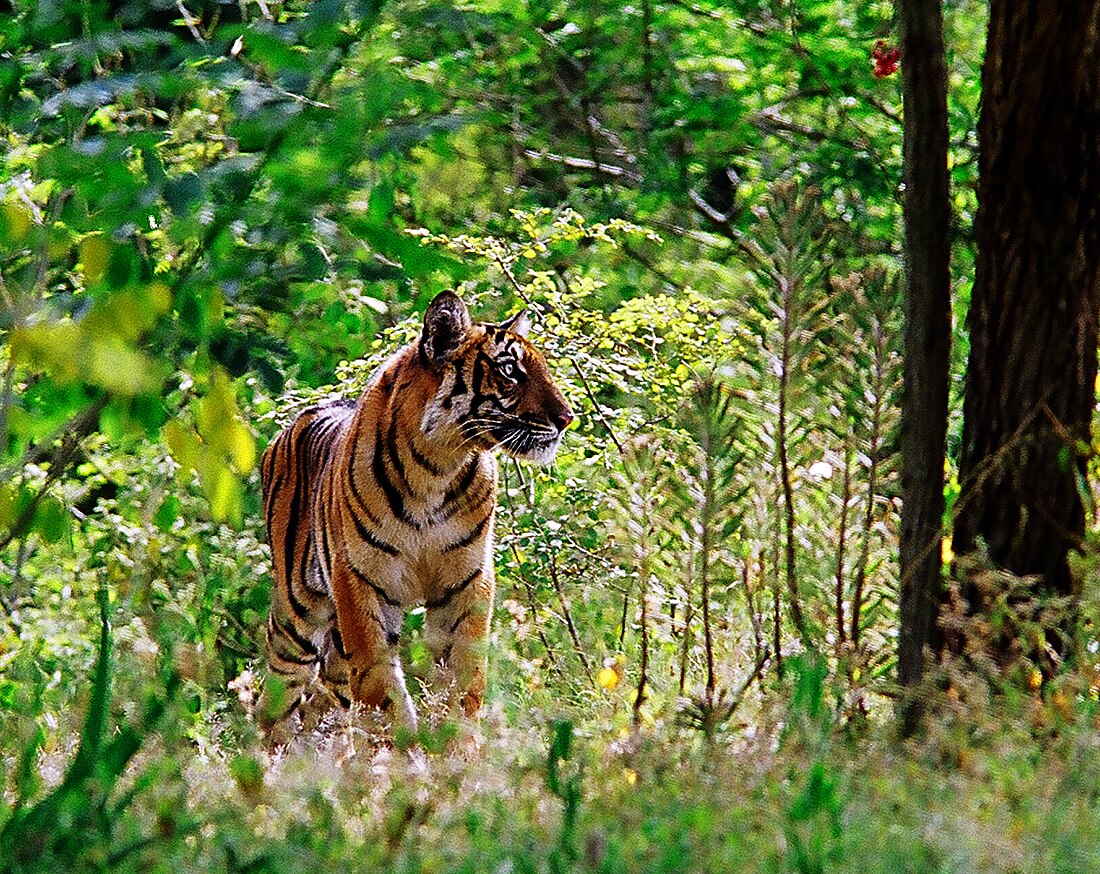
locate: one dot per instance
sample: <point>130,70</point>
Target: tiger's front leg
<point>456,631</point>
<point>369,626</point>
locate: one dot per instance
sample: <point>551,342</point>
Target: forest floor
<point>1004,783</point>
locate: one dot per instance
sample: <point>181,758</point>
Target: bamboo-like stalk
<point>707,512</point>
<point>685,647</point>
<point>784,466</point>
<point>875,448</point>
<point>754,613</point>
<point>643,674</point>
<point>842,541</point>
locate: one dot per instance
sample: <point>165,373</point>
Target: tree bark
<point>927,336</point>
<point>1031,377</point>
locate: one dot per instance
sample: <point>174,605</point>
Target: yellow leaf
<point>95,255</point>
<point>607,678</point>
<point>182,443</point>
<point>630,775</point>
<point>223,491</point>
<point>947,554</point>
<point>120,368</point>
<point>242,448</point>
<point>15,221</point>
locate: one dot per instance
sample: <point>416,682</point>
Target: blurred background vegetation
<point>213,213</point>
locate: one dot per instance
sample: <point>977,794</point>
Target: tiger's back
<point>377,506</point>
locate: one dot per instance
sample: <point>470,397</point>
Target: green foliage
<point>76,823</point>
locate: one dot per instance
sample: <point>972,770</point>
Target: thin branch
<point>596,405</point>
<point>739,695</point>
<point>502,263</point>
<point>191,21</point>
<point>59,463</point>
<point>641,697</point>
<point>553,565</point>
<point>81,425</point>
<point>586,164</point>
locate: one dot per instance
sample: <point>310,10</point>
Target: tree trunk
<point>1030,388</point>
<point>927,335</point>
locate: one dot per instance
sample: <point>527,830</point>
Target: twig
<point>81,425</point>
<point>872,485</point>
<point>739,696</point>
<point>754,613</point>
<point>586,164</point>
<point>190,20</point>
<point>568,616</point>
<point>507,271</point>
<point>689,614</point>
<point>704,575</point>
<point>785,469</point>
<point>58,465</point>
<point>595,405</point>
<point>776,615</point>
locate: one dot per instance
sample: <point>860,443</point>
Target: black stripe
<point>344,700</point>
<point>393,496</point>
<point>460,382</point>
<point>272,650</point>
<point>338,642</point>
<point>395,455</point>
<point>469,503</point>
<point>289,632</point>
<point>353,485</point>
<point>461,618</point>
<point>480,364</point>
<point>299,609</point>
<point>378,590</point>
<point>301,661</point>
<point>323,546</point>
<point>445,599</point>
<point>469,538</point>
<point>463,481</point>
<point>367,536</point>
<point>422,460</point>
<point>298,453</point>
<point>270,483</point>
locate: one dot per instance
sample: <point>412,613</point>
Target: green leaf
<point>167,514</point>
<point>51,519</point>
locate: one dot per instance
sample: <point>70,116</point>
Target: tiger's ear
<point>446,324</point>
<point>519,324</point>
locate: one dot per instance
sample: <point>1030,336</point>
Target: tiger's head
<point>495,389</point>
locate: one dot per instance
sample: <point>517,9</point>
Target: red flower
<point>885,59</point>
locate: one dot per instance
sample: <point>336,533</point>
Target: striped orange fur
<point>385,504</point>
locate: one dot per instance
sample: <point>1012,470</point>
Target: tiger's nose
<point>562,418</point>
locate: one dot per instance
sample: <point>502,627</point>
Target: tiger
<point>380,505</point>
